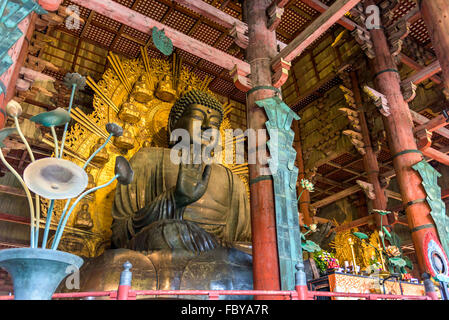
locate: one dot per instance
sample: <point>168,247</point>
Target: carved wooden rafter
<point>423,139</point>
<point>368,188</point>
<point>380,100</point>
<point>274,13</point>
<point>363,38</point>
<point>280,75</point>
<point>241,82</point>
<point>239,34</point>
<point>408,90</point>
<point>352,114</point>
<point>397,32</point>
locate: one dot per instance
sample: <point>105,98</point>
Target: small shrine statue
<point>126,141</point>
<point>83,219</point>
<point>181,226</point>
<point>142,91</point>
<point>165,91</point>
<point>129,112</point>
<point>101,157</point>
<point>91,180</point>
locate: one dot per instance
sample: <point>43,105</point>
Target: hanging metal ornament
<point>162,42</point>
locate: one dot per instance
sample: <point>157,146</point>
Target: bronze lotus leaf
<point>114,129</point>
<point>71,79</point>
<point>123,170</point>
<point>4,133</point>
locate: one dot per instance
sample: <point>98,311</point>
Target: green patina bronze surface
<point>430,182</point>
<point>285,174</point>
<point>162,42</point>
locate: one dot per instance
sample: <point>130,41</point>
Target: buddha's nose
<point>205,125</point>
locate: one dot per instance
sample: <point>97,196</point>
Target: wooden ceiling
<point>109,35</point>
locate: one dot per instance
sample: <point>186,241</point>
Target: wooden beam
<point>218,16</point>
<point>433,125</point>
<point>420,119</point>
<point>321,7</point>
<point>350,191</point>
<point>355,224</point>
<point>317,28</point>
<point>336,197</point>
<point>212,13</point>
<point>393,195</point>
<point>424,73</point>
<point>142,23</point>
<point>416,66</point>
<point>14,219</point>
<point>12,191</point>
<point>436,155</point>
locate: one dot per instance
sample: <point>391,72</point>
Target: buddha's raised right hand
<point>192,182</point>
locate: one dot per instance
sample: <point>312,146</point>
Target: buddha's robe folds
<point>222,211</point>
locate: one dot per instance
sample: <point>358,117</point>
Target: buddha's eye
<point>197,117</point>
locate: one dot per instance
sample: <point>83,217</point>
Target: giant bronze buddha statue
<point>180,225</point>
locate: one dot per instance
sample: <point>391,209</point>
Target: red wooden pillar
<point>402,144</point>
<point>18,53</point>
<point>369,159</point>
<point>304,202</point>
<point>436,16</point>
<point>261,49</point>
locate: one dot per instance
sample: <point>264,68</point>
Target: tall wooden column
<point>402,144</point>
<point>369,159</point>
<point>436,16</point>
<point>261,49</point>
<point>304,202</point>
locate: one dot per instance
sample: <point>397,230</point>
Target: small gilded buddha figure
<point>129,112</point>
<point>181,226</point>
<point>83,219</point>
<point>91,180</point>
<point>142,91</point>
<point>165,90</point>
<point>101,157</point>
<point>126,141</point>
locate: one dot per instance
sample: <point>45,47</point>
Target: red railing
<point>124,292</point>
<point>128,294</point>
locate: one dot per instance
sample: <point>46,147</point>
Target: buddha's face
<point>200,117</point>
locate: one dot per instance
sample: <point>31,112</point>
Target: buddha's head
<point>196,108</point>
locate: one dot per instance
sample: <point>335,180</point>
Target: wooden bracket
<point>424,139</point>
<point>274,16</point>
<point>380,100</point>
<point>280,75</point>
<point>357,140</point>
<point>408,91</point>
<point>239,35</point>
<point>240,81</point>
<point>368,188</point>
<point>363,38</point>
<point>396,34</point>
